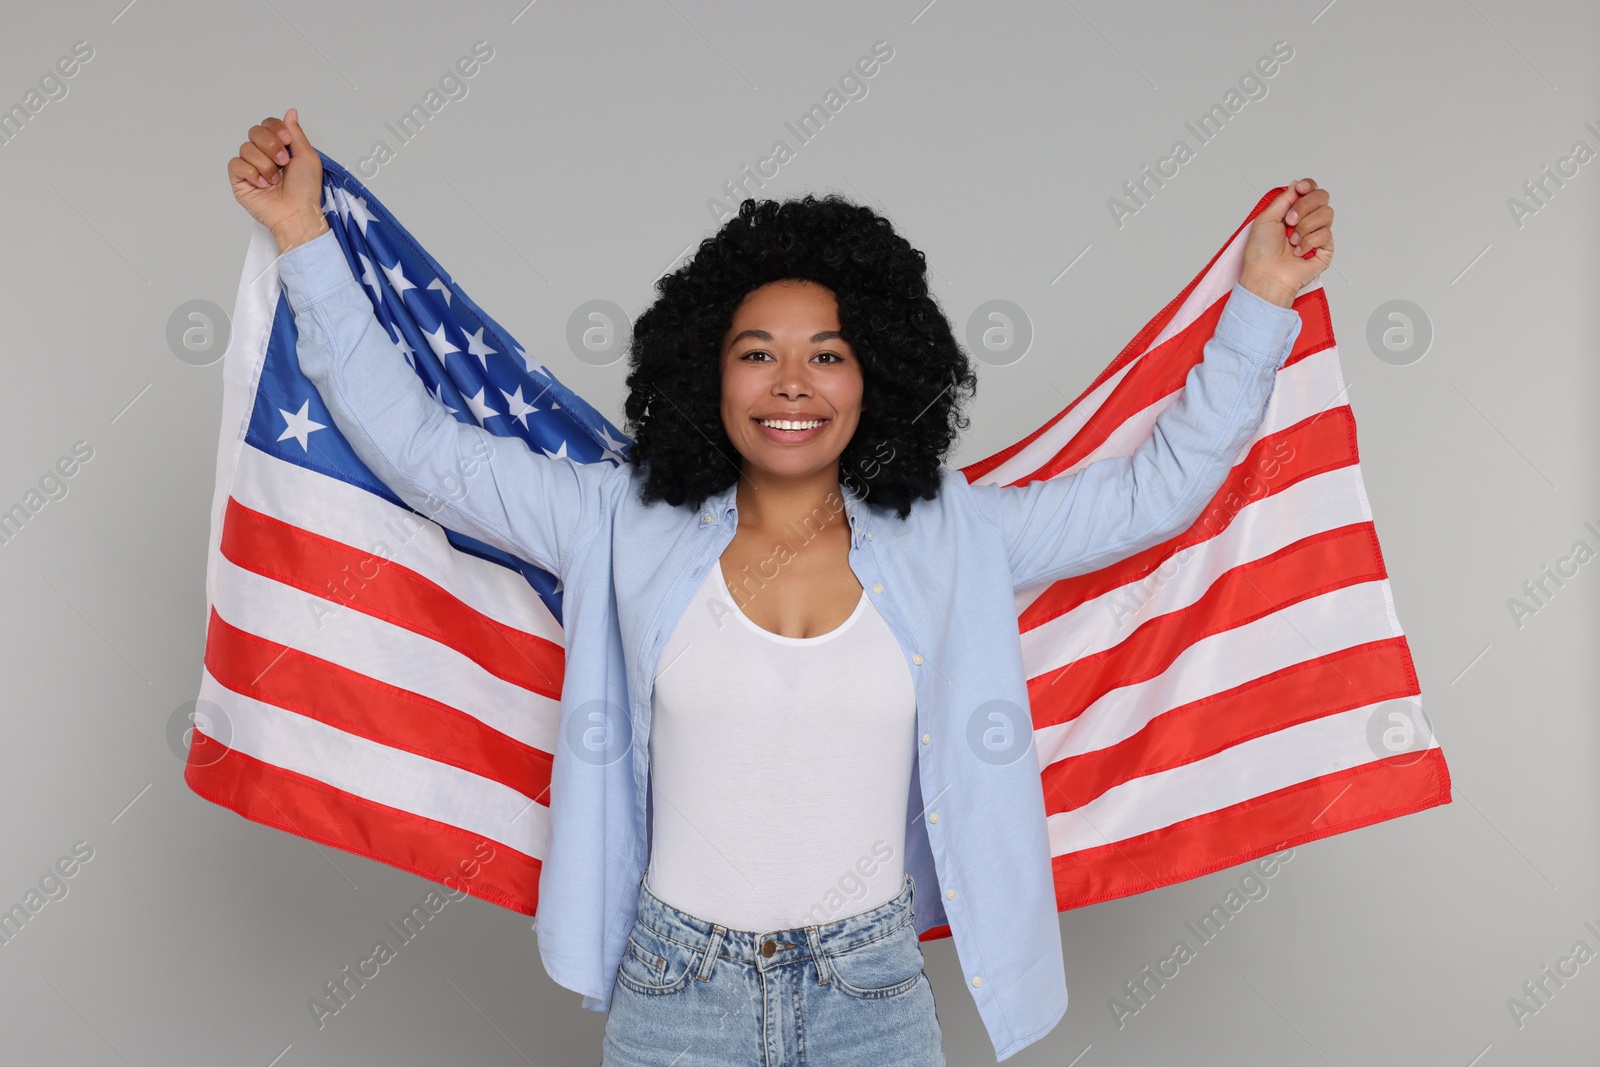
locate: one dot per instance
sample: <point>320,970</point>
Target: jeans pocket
<point>655,965</point>
<point>889,966</point>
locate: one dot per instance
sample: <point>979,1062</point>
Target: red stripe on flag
<point>328,569</point>
<point>350,701</point>
<point>1361,675</point>
<point>300,805</point>
<point>1307,568</point>
<point>1332,804</point>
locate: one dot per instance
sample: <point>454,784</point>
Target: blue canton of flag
<point>470,364</point>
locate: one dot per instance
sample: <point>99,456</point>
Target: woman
<point>815,615</point>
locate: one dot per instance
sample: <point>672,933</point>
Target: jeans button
<point>768,947</point>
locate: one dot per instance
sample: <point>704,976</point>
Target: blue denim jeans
<point>692,993</point>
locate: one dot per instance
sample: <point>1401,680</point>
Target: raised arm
<point>1119,505</point>
<point>492,488</point>
<point>489,487</point>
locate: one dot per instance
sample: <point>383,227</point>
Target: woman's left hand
<point>1290,243</point>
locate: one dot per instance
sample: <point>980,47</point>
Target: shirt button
<point>707,517</point>
<point>869,535</point>
<point>934,817</point>
<point>977,979</point>
<point>926,738</point>
<point>950,894</point>
<point>917,659</point>
<point>877,587</point>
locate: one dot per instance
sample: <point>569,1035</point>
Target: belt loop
<point>824,968</point>
<point>715,943</point>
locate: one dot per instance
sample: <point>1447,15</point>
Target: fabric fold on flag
<point>379,683</point>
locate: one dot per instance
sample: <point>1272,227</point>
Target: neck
<point>774,502</point>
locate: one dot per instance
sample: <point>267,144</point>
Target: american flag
<point>377,683</point>
<point>1245,686</point>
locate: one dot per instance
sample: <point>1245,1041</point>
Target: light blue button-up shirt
<point>943,579</point>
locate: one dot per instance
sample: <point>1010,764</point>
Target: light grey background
<point>578,167</point>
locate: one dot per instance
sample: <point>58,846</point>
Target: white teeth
<point>784,424</point>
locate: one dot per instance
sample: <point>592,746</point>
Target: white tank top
<point>780,767</point>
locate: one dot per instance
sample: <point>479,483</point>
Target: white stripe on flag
<point>1303,631</point>
<point>1237,774</point>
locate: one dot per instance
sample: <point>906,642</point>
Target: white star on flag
<point>613,446</point>
<point>533,365</point>
<point>299,426</point>
<point>520,409</point>
<point>357,208</point>
<point>440,343</point>
<point>443,288</point>
<point>476,347</point>
<point>480,408</point>
<point>560,453</point>
<point>397,277</point>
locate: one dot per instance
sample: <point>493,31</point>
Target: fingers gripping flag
<point>376,682</point>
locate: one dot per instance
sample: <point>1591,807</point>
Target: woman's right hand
<point>277,177</point>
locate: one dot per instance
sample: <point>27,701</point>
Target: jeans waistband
<point>765,948</point>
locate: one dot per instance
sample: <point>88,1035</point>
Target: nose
<point>793,381</point>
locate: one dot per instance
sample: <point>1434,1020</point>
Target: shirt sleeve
<point>1119,505</point>
<point>493,488</point>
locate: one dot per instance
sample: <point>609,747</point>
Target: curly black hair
<point>915,375</point>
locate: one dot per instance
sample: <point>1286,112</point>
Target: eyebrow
<point>763,335</point>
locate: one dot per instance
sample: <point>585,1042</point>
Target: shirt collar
<point>720,506</point>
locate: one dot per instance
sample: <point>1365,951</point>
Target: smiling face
<point>783,361</point>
